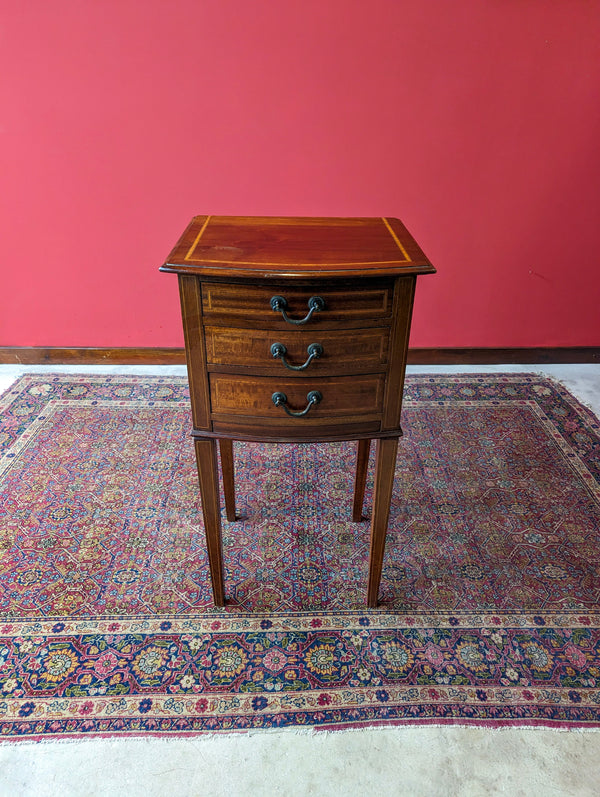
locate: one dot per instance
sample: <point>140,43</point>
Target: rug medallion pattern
<point>490,596</point>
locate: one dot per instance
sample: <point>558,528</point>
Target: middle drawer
<point>339,351</point>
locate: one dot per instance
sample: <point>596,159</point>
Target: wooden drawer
<point>251,396</point>
<point>363,351</point>
<point>250,305</point>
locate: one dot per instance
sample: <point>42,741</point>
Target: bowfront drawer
<point>274,398</point>
<point>301,352</point>
<point>282,307</point>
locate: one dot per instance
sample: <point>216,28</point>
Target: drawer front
<point>344,397</point>
<point>243,305</point>
<point>341,352</point>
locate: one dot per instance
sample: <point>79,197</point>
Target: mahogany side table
<point>296,330</point>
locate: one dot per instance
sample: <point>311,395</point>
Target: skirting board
<point>39,355</point>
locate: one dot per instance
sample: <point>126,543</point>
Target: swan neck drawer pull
<point>279,305</point>
<point>280,400</point>
<point>314,351</point>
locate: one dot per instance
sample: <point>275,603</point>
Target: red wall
<point>475,121</point>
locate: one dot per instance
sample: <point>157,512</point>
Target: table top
<point>296,248</point>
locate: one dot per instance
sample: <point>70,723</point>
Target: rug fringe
<point>310,732</point>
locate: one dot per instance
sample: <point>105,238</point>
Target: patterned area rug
<point>490,592</point>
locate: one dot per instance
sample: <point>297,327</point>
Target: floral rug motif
<point>490,595</point>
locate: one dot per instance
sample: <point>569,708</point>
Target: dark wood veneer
<point>343,305</point>
<point>235,348</point>
<point>345,285</point>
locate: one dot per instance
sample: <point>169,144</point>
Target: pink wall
<point>477,123</point>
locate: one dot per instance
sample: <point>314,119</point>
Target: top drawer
<point>251,305</point>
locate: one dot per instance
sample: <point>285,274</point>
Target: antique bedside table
<point>296,330</point>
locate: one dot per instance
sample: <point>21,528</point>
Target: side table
<point>296,330</point>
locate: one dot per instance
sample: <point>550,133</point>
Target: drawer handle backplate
<point>280,400</point>
<point>279,305</point>
<point>314,351</point>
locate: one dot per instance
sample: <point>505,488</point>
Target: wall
<point>475,121</point>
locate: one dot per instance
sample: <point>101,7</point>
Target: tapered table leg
<point>227,468</point>
<point>385,466</point>
<point>206,459</point>
<point>362,462</point>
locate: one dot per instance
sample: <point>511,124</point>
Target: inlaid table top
<point>297,247</point>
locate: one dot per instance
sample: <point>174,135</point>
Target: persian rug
<point>490,592</point>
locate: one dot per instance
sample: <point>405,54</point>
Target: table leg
<point>385,466</point>
<point>362,462</point>
<point>206,459</point>
<point>227,468</point>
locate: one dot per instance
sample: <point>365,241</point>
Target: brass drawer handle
<point>280,400</point>
<point>314,351</point>
<point>280,305</point>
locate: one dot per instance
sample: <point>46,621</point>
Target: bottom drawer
<point>343,398</point>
